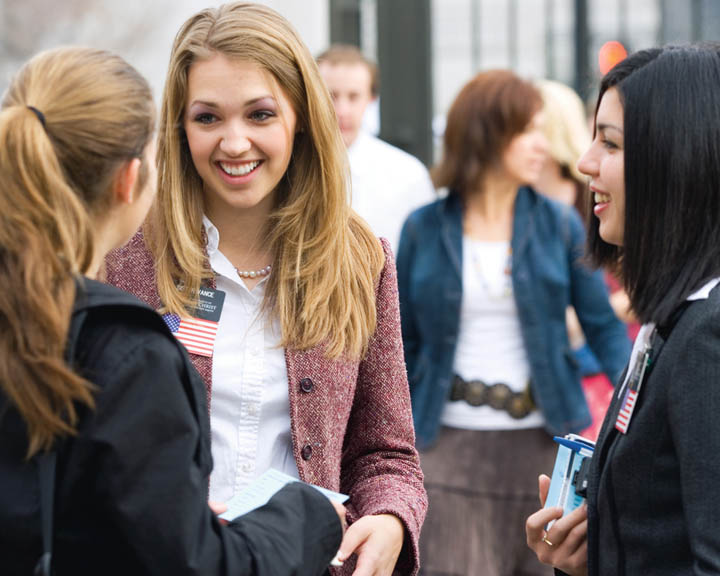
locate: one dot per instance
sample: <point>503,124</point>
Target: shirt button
<point>306,452</point>
<point>247,468</point>
<point>252,410</point>
<point>306,385</point>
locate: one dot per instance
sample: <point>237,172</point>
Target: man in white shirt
<point>387,183</point>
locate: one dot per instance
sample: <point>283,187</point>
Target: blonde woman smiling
<point>306,373</point>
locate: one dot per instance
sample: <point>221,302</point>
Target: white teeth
<point>601,198</point>
<point>239,169</point>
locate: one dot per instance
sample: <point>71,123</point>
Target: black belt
<point>498,396</point>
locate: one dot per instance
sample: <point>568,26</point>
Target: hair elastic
<point>39,115</point>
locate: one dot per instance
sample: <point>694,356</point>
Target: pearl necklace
<point>254,273</point>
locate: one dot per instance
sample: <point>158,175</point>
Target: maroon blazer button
<point>306,385</point>
<point>306,452</point>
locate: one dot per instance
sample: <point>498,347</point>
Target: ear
<point>125,180</point>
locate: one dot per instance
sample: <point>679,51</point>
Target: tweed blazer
<point>351,421</point>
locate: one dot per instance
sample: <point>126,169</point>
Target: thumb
<point>543,488</point>
<point>354,537</point>
<point>217,507</point>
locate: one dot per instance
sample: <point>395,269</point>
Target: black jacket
<point>132,486</point>
<point>653,506</point>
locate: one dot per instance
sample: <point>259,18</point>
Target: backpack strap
<point>46,464</point>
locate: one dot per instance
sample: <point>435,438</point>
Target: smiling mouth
<point>239,169</point>
<point>601,198</point>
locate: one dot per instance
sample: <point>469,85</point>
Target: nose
<point>341,107</point>
<point>235,140</point>
<point>587,163</point>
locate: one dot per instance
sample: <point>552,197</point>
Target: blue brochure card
<point>572,452</point>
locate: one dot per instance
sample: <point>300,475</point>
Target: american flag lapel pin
<point>197,335</point>
<point>198,332</point>
<point>622,422</point>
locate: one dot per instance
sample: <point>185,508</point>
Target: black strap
<point>46,471</point>
<point>46,463</point>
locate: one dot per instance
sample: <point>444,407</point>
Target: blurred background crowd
<point>426,49</point>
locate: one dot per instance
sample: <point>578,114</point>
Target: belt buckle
<point>475,393</point>
<point>499,396</point>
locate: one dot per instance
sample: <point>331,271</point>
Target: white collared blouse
<point>250,410</point>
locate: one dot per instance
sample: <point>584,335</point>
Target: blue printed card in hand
<point>569,479</point>
<point>262,489</point>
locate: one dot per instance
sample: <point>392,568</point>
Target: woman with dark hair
<point>485,276</point>
<point>651,507</point>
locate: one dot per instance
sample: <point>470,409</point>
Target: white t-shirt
<point>387,184</point>
<point>490,345</point>
<point>250,405</point>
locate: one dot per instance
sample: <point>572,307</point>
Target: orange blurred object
<point>610,54</point>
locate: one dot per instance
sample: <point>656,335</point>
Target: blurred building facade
<point>427,49</point>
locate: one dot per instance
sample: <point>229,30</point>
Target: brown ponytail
<point>56,167</point>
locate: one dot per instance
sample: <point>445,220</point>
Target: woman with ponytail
<point>93,377</point>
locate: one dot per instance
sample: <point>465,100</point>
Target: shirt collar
<point>212,234</point>
<point>704,292</point>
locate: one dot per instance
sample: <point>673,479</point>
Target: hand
<point>342,513</point>
<point>565,545</point>
<point>217,509</point>
<point>377,541</point>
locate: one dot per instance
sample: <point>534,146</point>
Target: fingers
<point>368,564</point>
<point>217,507</point>
<point>535,524</point>
<point>543,488</point>
<point>564,546</point>
<point>570,532</point>
<point>342,514</point>
<point>355,536</point>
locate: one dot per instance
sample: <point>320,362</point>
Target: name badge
<point>198,332</point>
<point>632,390</point>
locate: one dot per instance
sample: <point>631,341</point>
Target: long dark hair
<point>671,121</point>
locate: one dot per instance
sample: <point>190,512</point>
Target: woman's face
<point>525,156</point>
<point>604,162</point>
<point>240,128</point>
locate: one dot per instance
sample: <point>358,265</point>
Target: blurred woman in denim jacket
<point>485,276</point>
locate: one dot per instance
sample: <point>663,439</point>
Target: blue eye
<point>260,115</point>
<point>204,118</point>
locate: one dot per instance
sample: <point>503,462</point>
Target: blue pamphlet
<point>262,489</point>
<point>570,473</point>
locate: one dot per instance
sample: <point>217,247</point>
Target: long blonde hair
<point>326,259</point>
<point>92,111</point>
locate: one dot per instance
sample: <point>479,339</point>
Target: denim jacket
<point>547,276</point>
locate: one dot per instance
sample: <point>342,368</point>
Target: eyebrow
<point>250,102</point>
<point>602,127</point>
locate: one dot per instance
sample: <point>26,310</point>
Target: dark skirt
<point>482,485</point>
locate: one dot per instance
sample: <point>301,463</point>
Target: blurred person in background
<point>387,183</point>
<point>568,136</point>
<point>116,427</point>
<point>485,277</point>
<point>306,372</point>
